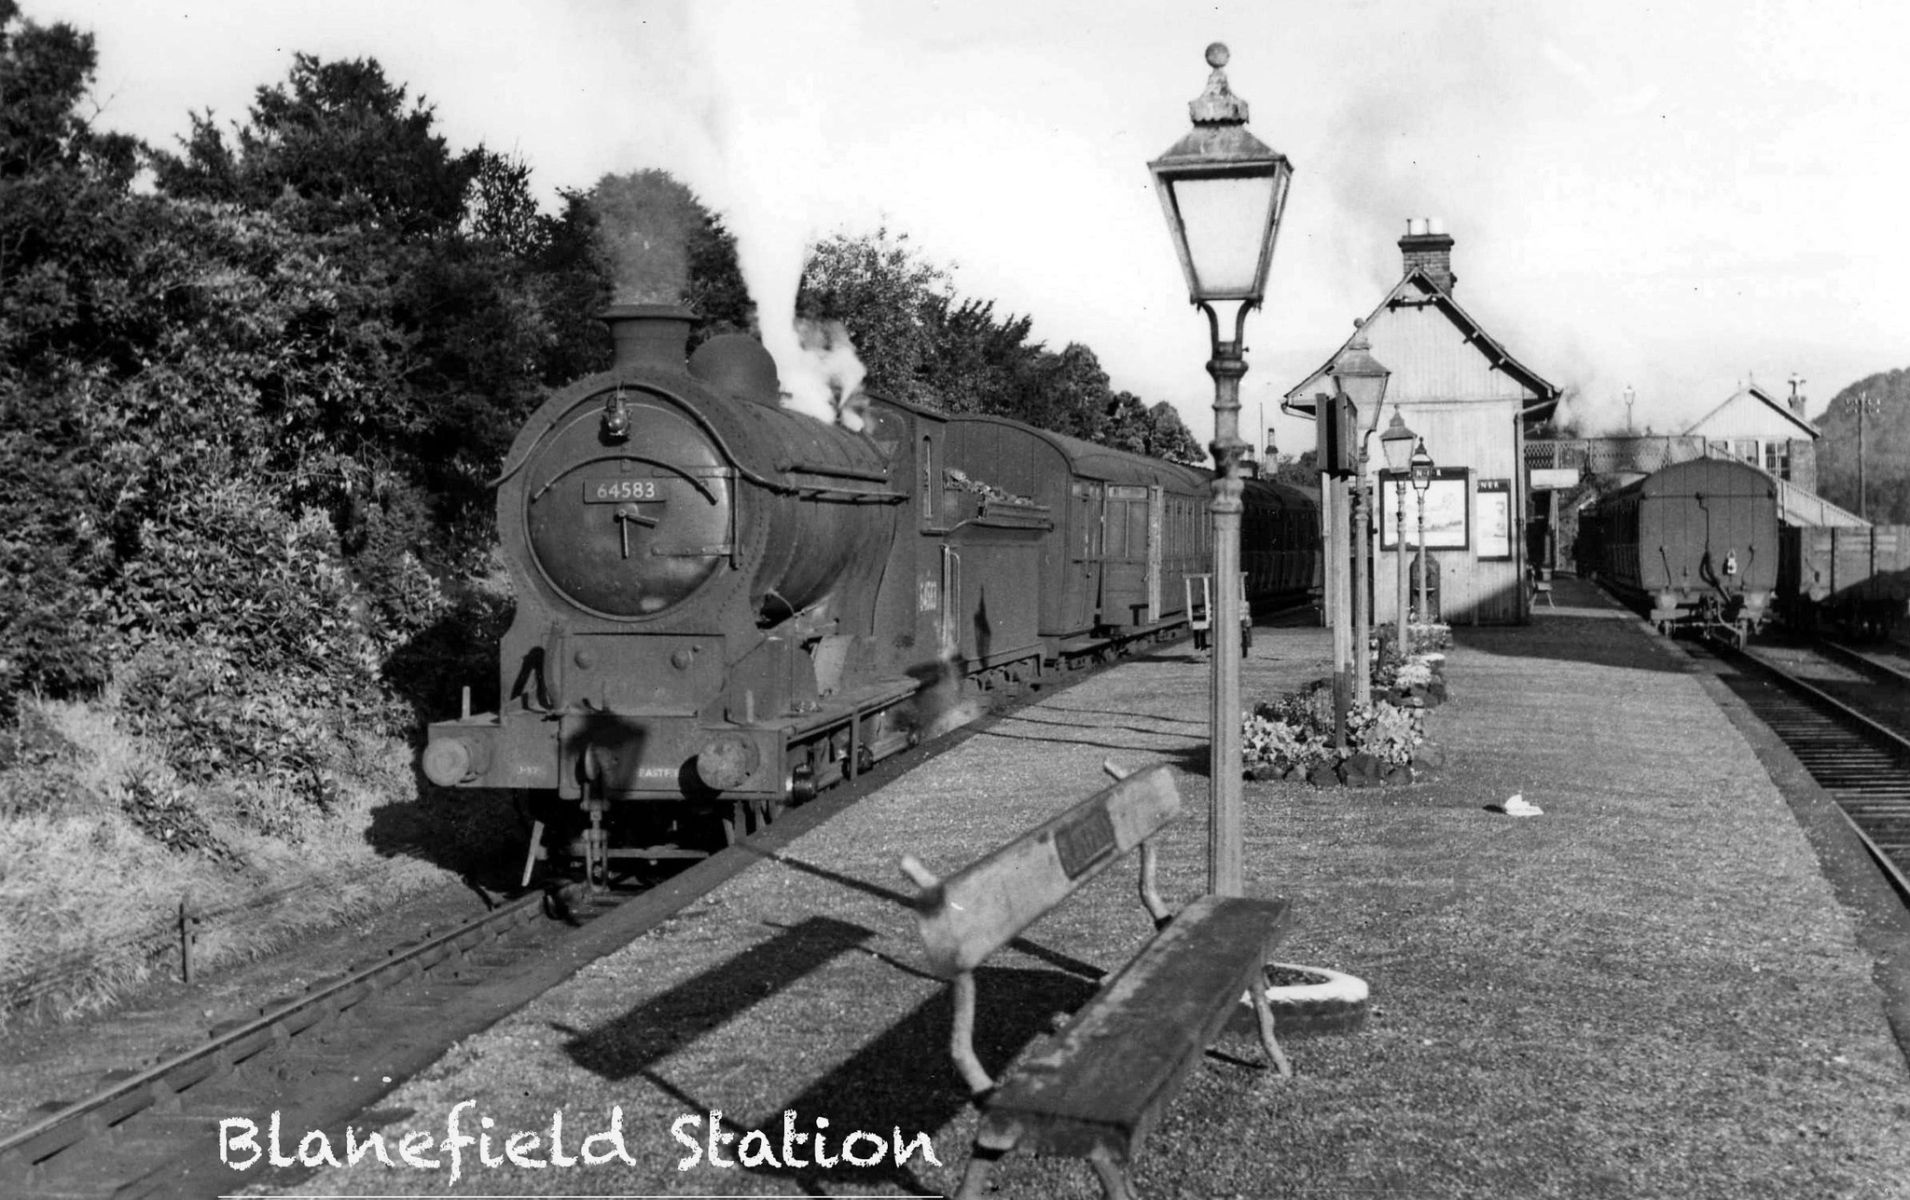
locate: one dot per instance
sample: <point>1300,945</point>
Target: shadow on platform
<point>1597,640</point>
<point>900,1079</point>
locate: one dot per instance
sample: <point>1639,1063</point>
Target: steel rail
<point>1852,657</point>
<point>159,1084</point>
<point>162,1087</point>
<point>1858,724</point>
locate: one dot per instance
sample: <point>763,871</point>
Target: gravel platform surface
<point>1649,990</point>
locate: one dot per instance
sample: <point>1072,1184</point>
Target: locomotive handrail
<point>818,493</point>
<point>833,472</point>
<point>513,467</point>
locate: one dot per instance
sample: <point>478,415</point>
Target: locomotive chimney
<point>1428,247</point>
<point>649,335</point>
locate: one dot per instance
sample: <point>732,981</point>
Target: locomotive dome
<point>738,366</point>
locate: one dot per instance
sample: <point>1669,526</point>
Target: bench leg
<point>1263,1013</point>
<point>981,1160</point>
<point>531,855</point>
<point>961,1037</point>
<point>1113,1176</point>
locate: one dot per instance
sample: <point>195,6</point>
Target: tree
<point>660,245</point>
<point>336,145</point>
<point>1066,392</point>
<point>1301,470</point>
<point>1169,438</point>
<point>882,291</point>
<point>61,186</point>
<point>975,362</point>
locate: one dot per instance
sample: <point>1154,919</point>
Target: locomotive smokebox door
<point>632,530</point>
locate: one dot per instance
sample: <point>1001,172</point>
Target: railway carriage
<point>1280,547</point>
<point>1697,540</point>
<point>1713,544</point>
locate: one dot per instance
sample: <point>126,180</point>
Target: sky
<point>1676,197</point>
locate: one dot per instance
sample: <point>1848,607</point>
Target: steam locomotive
<point>724,606</point>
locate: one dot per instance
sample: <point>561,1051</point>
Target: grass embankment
<point>1649,990</point>
<point>100,841</point>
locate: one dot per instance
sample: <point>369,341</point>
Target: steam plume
<point>775,175</point>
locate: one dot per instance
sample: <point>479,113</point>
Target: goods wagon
<point>1856,579</point>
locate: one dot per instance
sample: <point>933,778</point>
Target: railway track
<point>1886,662</point>
<point>1849,729</point>
<point>329,1054</point>
<point>326,1055</point>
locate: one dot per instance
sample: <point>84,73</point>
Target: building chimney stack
<point>1427,247</point>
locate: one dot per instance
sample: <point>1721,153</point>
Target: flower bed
<point>1291,738</point>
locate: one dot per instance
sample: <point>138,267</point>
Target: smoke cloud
<point>773,183</point>
<point>645,220</point>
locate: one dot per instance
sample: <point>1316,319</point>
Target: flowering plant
<point>1414,672</point>
<point>1296,730</point>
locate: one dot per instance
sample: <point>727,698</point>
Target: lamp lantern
<point>1397,446</point>
<point>1360,377</point>
<point>1223,191</point>
<point>1421,466</point>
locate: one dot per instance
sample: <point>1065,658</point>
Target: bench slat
<point>1102,1082</point>
<point>980,908</point>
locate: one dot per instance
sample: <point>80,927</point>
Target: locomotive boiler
<point>724,606</point>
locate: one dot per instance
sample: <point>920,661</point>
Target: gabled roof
<point>1299,401</point>
<point>1759,394</point>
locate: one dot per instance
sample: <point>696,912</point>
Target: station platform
<point>1651,989</point>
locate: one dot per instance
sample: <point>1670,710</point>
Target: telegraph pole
<point>1863,405</point>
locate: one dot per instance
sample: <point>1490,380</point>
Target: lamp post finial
<point>1218,105</point>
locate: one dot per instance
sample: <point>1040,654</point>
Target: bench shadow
<point>627,1046</point>
<point>904,1080</point>
<point>901,1079</point>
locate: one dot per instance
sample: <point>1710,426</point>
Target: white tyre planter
<point>1308,1000</point>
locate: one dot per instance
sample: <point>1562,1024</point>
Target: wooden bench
<point>1098,1086</point>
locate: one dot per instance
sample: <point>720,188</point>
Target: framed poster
<point>1448,514</point>
<point>1495,518</point>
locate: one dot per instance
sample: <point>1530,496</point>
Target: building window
<point>1777,459</point>
<point>1746,450</point>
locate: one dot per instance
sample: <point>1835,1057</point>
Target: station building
<point>1758,429</point>
<point>1474,404</point>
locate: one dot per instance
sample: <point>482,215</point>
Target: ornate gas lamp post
<point>1397,445</point>
<point>1358,376</point>
<point>1422,472</point>
<point>1223,191</point>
